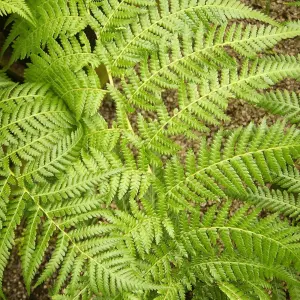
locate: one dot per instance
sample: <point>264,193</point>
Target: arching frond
<point>275,201</point>
<point>284,103</point>
<point>13,218</point>
<point>135,43</point>
<point>15,6</point>
<point>32,120</point>
<point>248,154</point>
<point>288,179</point>
<point>74,52</point>
<point>109,266</point>
<point>206,104</point>
<point>52,19</point>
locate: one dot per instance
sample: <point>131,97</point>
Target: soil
<point>241,114</point>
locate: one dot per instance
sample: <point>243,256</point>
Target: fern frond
<point>161,71</point>
<point>74,52</point>
<point>15,6</point>
<point>289,179</point>
<point>115,15</point>
<point>224,267</point>
<point>227,249</point>
<point>284,103</point>
<point>5,191</point>
<point>246,40</point>
<point>32,121</point>
<point>208,292</point>
<point>232,291</point>
<point>84,176</point>
<point>108,208</point>
<point>14,213</point>
<point>108,266</point>
<point>275,201</point>
<point>207,104</point>
<point>55,160</point>
<point>248,154</point>
<point>52,19</point>
<point>81,90</point>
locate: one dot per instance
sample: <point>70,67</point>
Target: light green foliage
<point>15,7</point>
<point>119,209</point>
<point>283,103</point>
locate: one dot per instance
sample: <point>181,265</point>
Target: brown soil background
<point>240,112</point>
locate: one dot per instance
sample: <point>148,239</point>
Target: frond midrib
<point>161,20</point>
<point>231,158</point>
<point>73,242</point>
<point>221,45</point>
<point>224,87</point>
<point>33,116</point>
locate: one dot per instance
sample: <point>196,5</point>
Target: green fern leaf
<point>249,154</point>
<point>284,103</point>
<point>65,18</point>
<point>13,217</point>
<point>275,201</point>
<point>288,179</point>
<point>15,6</point>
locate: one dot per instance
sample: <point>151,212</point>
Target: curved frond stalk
<point>191,61</point>
<point>284,103</point>
<point>207,104</point>
<point>246,40</point>
<point>248,154</point>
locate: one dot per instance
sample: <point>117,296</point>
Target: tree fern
<point>128,217</point>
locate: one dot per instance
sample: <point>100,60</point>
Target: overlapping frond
<point>15,6</point>
<point>74,52</point>
<point>115,15</point>
<point>52,19</point>
<point>276,201</point>
<point>219,249</point>
<point>109,201</point>
<point>69,70</point>
<point>248,155</point>
<point>284,103</point>
<point>288,179</point>
<point>33,120</point>
<point>206,104</point>
<point>193,63</point>
<point>246,40</point>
